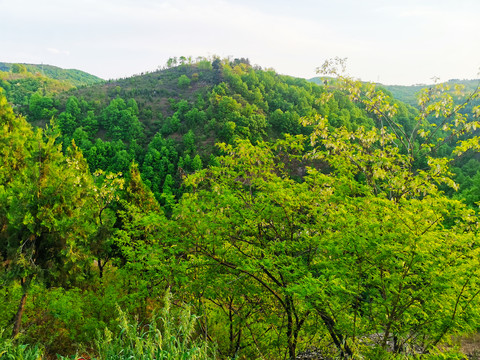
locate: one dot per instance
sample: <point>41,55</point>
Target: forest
<point>217,210</point>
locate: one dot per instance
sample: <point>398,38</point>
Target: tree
<point>405,255</point>
<point>44,207</point>
<point>184,81</point>
<point>18,69</point>
<point>245,217</point>
<point>189,142</point>
<point>148,258</point>
<point>121,121</point>
<point>196,163</point>
<point>41,107</point>
<point>336,248</point>
<point>73,106</point>
<point>106,194</point>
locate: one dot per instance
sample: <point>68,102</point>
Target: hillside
<point>409,94</point>
<point>169,121</point>
<point>75,77</point>
<point>29,88</point>
<point>406,94</point>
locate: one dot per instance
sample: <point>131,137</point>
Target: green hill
<point>169,121</point>
<point>21,82</point>
<point>408,93</point>
<point>75,77</point>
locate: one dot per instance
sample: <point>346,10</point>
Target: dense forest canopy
<point>213,209</point>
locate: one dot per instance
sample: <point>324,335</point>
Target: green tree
<point>106,194</point>
<point>184,81</point>
<point>243,217</point>
<point>44,207</point>
<point>121,121</point>
<point>196,163</point>
<point>372,250</point>
<point>41,107</point>
<point>189,142</point>
<point>349,252</point>
<point>18,69</point>
<point>408,254</point>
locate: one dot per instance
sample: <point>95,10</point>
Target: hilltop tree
<point>184,81</point>
<point>18,69</point>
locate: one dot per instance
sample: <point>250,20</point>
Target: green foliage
<point>44,217</point>
<point>18,68</point>
<point>66,321</point>
<point>44,209</point>
<point>59,319</point>
<point>189,142</point>
<point>41,107</point>
<point>19,87</point>
<point>242,219</point>
<point>364,257</point>
<point>120,120</point>
<point>9,350</point>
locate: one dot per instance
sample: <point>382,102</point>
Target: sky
<point>395,42</point>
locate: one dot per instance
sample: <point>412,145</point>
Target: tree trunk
<point>338,339</point>
<point>100,268</point>
<point>17,322</point>
<point>291,341</point>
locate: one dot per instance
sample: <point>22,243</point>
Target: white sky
<point>391,41</point>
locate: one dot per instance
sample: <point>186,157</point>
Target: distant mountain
<point>408,94</point>
<point>75,77</point>
<point>22,81</point>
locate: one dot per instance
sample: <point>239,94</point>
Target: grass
<point>170,335</point>
<point>167,337</point>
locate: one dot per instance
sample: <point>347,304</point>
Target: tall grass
<point>167,337</point>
